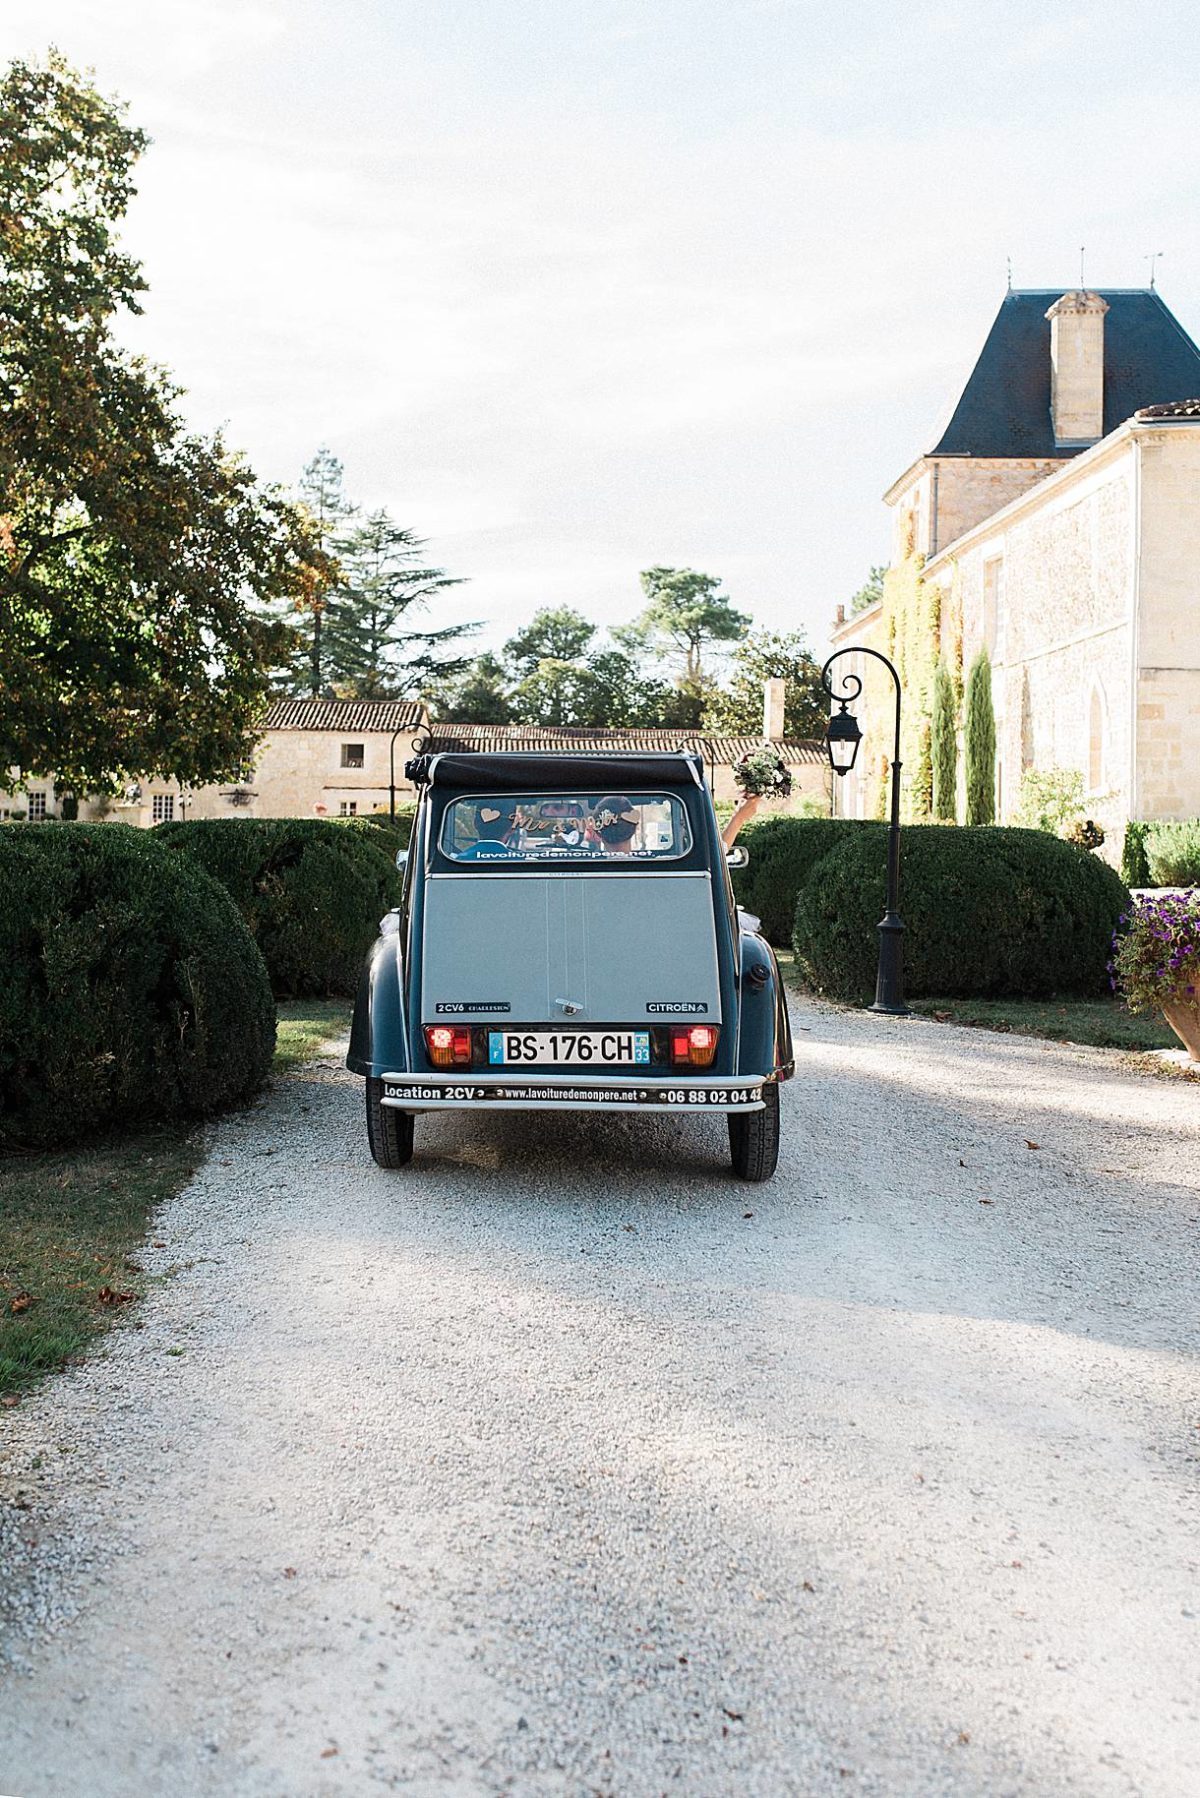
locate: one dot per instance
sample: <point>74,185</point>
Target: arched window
<point>1096,742</point>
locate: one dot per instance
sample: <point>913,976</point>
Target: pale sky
<point>575,288</point>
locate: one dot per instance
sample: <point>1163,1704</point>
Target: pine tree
<point>945,746</point>
<point>327,510</point>
<point>980,743</point>
<point>369,651</point>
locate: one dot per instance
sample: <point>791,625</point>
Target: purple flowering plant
<point>1156,953</point>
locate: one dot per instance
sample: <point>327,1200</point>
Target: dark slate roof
<point>1004,409</point>
<point>345,715</point>
<point>492,739</point>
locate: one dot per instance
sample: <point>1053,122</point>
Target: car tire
<point>754,1138</point>
<point>389,1132</point>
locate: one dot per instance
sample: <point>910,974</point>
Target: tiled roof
<point>1172,409</point>
<point>345,715</point>
<point>1004,409</point>
<point>491,739</point>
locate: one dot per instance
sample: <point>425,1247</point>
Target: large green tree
<point>556,633</point>
<point>328,513</point>
<point>979,743</point>
<point>479,695</point>
<point>738,708</point>
<point>371,650</point>
<point>604,689</point>
<point>685,612</point>
<point>870,593</point>
<point>130,548</point>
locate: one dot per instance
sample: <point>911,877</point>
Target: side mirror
<point>737,857</point>
<point>401,859</point>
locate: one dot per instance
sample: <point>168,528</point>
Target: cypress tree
<point>945,746</point>
<point>980,743</point>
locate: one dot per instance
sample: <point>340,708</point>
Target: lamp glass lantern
<point>842,739</point>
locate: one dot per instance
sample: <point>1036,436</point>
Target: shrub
<point>1051,799</point>
<point>1156,958</point>
<point>130,990</point>
<point>1173,853</point>
<point>312,891</point>
<point>1135,869</point>
<point>945,746</point>
<point>377,827</point>
<point>782,852</point>
<point>979,742</point>
<point>992,910</point>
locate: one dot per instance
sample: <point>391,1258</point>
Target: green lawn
<point>304,1025</point>
<point>70,1227</point>
<point>1100,1023</point>
<point>71,1222</point>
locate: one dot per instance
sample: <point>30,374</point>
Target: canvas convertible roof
<point>522,773</point>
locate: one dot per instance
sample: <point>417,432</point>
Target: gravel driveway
<point>562,1464</point>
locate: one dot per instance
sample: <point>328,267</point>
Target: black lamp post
<point>841,741</point>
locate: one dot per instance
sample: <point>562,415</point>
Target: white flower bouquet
<point>763,775</point>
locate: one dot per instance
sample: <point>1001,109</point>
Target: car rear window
<point>554,827</point>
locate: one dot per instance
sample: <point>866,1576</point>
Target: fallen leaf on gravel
<point>289,1573</point>
<point>734,1716</point>
<point>964,1736</point>
<point>9,1399</point>
<point>328,1753</point>
<point>1032,1145</point>
<point>21,1303</point>
<point>987,1201</point>
<point>158,1245</point>
<point>747,1214</point>
<point>808,1586</point>
<point>108,1296</point>
<point>943,1017</point>
<point>961,1162</point>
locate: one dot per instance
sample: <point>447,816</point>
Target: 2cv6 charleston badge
<point>568,939</point>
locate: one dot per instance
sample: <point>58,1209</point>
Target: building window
<point>162,808</point>
<point>1096,743</point>
<point>37,807</point>
<point>348,808</point>
<point>352,755</point>
<point>994,632</point>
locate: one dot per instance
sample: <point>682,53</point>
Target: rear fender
<point>377,1035</point>
<point>765,1040</point>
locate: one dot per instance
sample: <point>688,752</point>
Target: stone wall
<point>1168,681</point>
<point>299,774</point>
<point>949,495</point>
<point>1059,634</point>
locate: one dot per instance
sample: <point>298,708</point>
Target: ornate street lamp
<point>841,741</point>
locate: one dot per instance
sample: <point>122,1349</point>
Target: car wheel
<point>754,1138</point>
<point>389,1132</point>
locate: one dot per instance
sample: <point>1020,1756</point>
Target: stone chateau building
<point>330,759</point>
<point>1055,517</point>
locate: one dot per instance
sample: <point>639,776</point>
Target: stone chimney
<point>774,694</point>
<point>1077,368</point>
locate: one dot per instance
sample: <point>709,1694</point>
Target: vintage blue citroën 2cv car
<point>568,940</point>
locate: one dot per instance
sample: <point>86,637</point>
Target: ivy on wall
<point>915,618</point>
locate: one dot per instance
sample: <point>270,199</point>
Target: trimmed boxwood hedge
<point>311,890</point>
<point>783,851</point>
<point>987,910</point>
<point>130,990</point>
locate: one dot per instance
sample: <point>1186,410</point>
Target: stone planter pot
<point>1184,1019</point>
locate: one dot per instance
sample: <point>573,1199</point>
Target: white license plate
<point>574,1048</point>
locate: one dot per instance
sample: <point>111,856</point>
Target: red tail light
<point>694,1047</point>
<point>449,1045</point>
